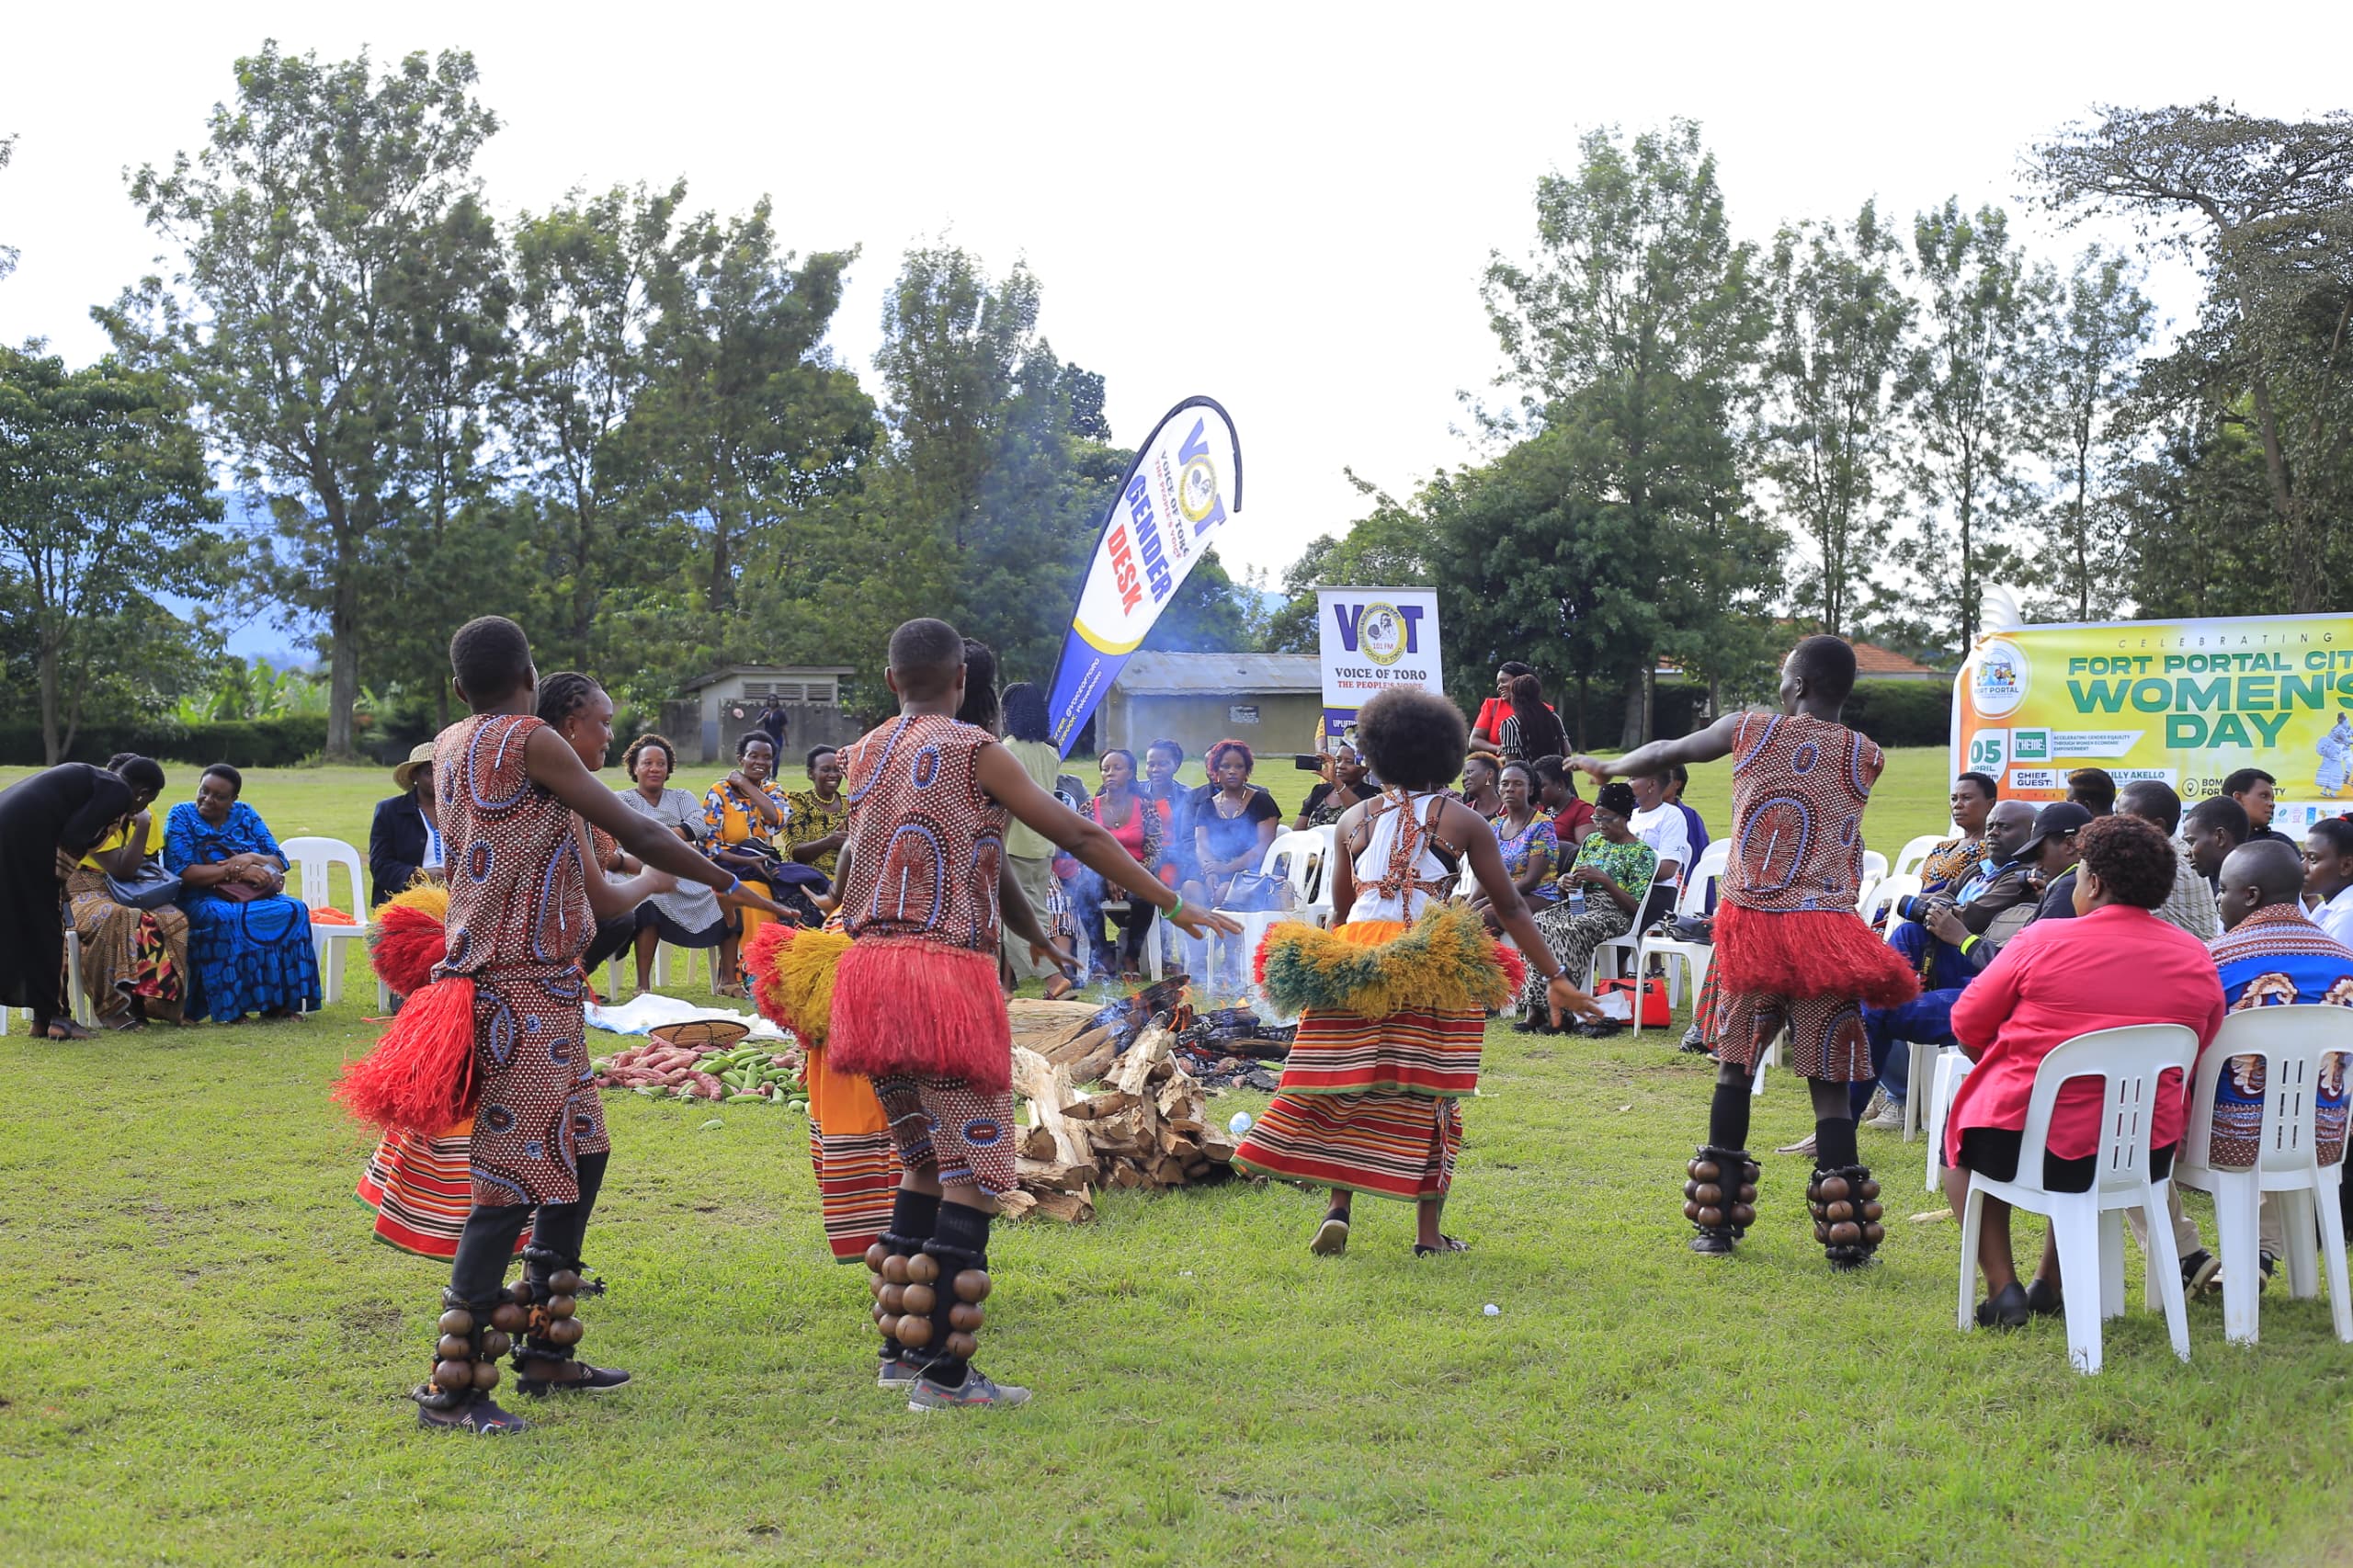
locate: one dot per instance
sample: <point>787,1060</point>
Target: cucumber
<point>741,1099</point>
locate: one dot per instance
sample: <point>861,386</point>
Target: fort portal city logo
<point>1380,634</point>
<point>1998,678</point>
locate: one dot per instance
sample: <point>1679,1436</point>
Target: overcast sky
<point>1284,207</point>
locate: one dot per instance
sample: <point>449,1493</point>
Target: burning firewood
<point>1146,1128</point>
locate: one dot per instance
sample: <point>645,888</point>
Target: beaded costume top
<point>1400,864</point>
<point>1799,786</point>
<point>519,894</point>
<point>925,838</point>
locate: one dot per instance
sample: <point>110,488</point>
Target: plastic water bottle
<point>1576,899</point>
<point>1240,1124</point>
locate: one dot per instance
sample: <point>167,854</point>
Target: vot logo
<point>1197,495</point>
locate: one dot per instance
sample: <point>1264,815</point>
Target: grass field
<point>201,1351</point>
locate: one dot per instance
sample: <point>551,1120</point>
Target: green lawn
<point>201,1351</point>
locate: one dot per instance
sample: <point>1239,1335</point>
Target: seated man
<point>2191,905</point>
<point>2256,792</point>
<point>2271,954</point>
<point>1996,887</point>
<point>2213,829</point>
<point>2050,852</point>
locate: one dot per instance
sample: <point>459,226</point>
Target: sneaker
<point>480,1417</point>
<point>897,1373</point>
<point>1331,1237</point>
<point>976,1393</point>
<point>2200,1269</point>
<point>1694,1042</point>
<point>1889,1117</point>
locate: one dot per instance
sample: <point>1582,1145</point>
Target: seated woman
<point>690,915</point>
<point>2115,964</point>
<point>1342,787</point>
<point>818,824</point>
<point>1479,779</point>
<point>1120,810</point>
<point>744,813</point>
<point>1530,728</point>
<point>250,944</point>
<point>1556,792</point>
<point>1524,836</point>
<point>1233,821</point>
<point>1602,888</point>
<point>404,840</point>
<point>134,956</point>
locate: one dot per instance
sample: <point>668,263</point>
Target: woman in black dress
<point>47,823</point>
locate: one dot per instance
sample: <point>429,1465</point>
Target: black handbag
<point>152,888</point>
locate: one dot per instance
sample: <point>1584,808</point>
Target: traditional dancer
<point>1394,1002</point>
<point>499,1035</point>
<point>1792,954</point>
<point>916,1006</point>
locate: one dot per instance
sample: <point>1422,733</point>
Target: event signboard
<point>2184,702</point>
<point>1370,640</point>
<point>1185,484</point>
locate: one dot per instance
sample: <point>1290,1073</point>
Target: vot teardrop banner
<point>1185,484</point>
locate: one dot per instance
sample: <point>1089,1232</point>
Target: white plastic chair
<point>1675,955</point>
<point>77,999</point>
<point>1770,1055</point>
<point>1951,1067</point>
<point>2088,1227</point>
<point>1914,853</point>
<point>2294,1042</point>
<point>1874,866</point>
<point>1301,858</point>
<point>1890,891</point>
<point>314,859</point>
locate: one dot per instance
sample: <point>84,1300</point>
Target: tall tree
<point>1976,396</point>
<point>8,254</point>
<point>2265,207</point>
<point>1830,433</point>
<point>312,186</point>
<point>750,420</point>
<point>2102,324</point>
<point>1637,324</point>
<point>104,496</point>
<point>584,275</point>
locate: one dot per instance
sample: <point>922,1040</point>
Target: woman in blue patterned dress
<point>248,943</point>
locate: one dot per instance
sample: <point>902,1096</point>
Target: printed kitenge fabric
<point>255,956</point>
<point>1368,1104</point>
<point>925,838</point>
<point>814,818</point>
<point>129,957</point>
<point>963,1134</point>
<point>519,920</point>
<point>420,1189</point>
<point>1952,862</point>
<point>2276,956</point>
<point>1790,951</point>
<point>1519,852</point>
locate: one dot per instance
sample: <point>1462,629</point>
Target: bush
<point>243,743</point>
<point>1903,712</point>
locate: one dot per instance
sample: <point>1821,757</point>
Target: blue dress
<point>249,957</point>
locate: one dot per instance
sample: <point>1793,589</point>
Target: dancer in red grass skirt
<point>1393,1003</point>
<point>498,1033</point>
<point>1792,956</point>
<point>915,1004</point>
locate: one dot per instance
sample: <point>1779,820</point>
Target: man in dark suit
<point>405,838</point>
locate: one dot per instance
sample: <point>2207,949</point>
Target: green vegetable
<point>740,1099</point>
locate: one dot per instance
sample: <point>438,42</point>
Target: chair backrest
<point>313,858</point>
<point>2293,1043</point>
<point>1297,855</point>
<point>1874,865</point>
<point>1691,902</point>
<point>2132,1059</point>
<point>1915,850</point>
<point>1888,894</point>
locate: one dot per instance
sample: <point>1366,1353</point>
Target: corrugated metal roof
<point>1210,675</point>
<point>725,670</point>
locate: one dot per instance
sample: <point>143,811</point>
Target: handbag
<point>1254,891</point>
<point>1655,1014</point>
<point>152,888</point>
<point>238,892</point>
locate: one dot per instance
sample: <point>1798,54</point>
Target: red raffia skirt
<point>1368,1104</point>
<point>1807,974</point>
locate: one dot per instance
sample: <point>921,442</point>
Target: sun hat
<point>404,776</point>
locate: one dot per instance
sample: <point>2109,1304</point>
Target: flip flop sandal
<point>1445,1244</point>
<point>1331,1235</point>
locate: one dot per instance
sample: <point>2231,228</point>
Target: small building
<point>1274,702</point>
<point>727,702</point>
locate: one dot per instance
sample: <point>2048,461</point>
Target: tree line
<point>618,420</point>
<point>1863,423</point>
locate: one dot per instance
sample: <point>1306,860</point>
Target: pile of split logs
<point>1144,1127</point>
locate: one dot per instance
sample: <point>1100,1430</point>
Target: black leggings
<point>487,1243</point>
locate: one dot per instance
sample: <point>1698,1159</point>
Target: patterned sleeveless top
<point>518,896</point>
<point>1400,864</point>
<point>924,839</point>
<point>1799,786</point>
